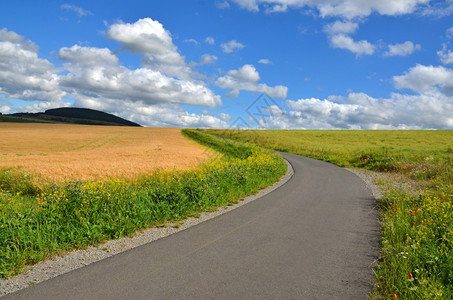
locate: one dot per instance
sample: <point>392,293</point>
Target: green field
<point>416,211</point>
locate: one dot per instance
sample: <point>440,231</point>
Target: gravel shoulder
<point>58,265</point>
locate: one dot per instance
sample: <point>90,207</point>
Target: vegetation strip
<point>74,215</point>
<point>416,210</point>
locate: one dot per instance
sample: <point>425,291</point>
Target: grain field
<point>79,152</point>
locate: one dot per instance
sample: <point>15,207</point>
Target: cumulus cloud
<point>339,32</point>
<point>208,59</point>
<point>428,107</point>
<point>163,78</point>
<point>360,111</point>
<point>246,78</point>
<point>277,8</point>
<point>78,10</point>
<point>150,38</point>
<point>143,36</point>
<point>14,38</point>
<point>403,49</point>
<point>88,55</point>
<point>342,8</point>
<point>23,75</point>
<point>162,115</point>
<point>112,81</point>
<point>346,42</point>
<point>231,46</point>
<point>445,55</point>
<point>359,8</point>
<point>340,27</point>
<point>426,78</point>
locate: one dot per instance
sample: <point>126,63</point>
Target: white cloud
<point>342,8</point>
<point>339,38</point>
<point>364,112</point>
<point>193,41</point>
<point>140,85</point>
<point>4,109</point>
<point>23,75</point>
<point>426,78</point>
<point>247,73</point>
<point>265,61</point>
<point>403,49</point>
<point>42,106</point>
<point>143,36</point>
<point>445,55</point>
<point>14,38</point>
<point>438,9</point>
<point>362,8</point>
<point>277,8</point>
<point>225,117</point>
<point>429,107</point>
<point>360,111</point>
<point>449,33</point>
<point>346,42</point>
<point>208,59</point>
<point>150,38</point>
<point>210,40</point>
<point>222,4</point>
<point>88,55</point>
<point>79,11</point>
<point>251,5</point>
<point>246,78</point>
<point>340,27</point>
<point>231,46</point>
<point>162,115</point>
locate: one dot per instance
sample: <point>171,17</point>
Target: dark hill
<point>88,114</point>
<point>71,115</point>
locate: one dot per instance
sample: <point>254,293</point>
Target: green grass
<point>36,223</point>
<point>416,212</point>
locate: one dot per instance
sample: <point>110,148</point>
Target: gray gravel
<point>58,265</point>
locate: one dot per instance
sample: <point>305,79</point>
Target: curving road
<point>316,237</point>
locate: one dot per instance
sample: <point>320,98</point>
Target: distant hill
<point>69,115</point>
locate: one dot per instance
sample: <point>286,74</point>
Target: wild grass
<point>36,224</point>
<point>416,212</point>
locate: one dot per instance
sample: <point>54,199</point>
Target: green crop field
<point>416,211</point>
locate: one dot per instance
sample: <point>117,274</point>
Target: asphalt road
<point>316,237</point>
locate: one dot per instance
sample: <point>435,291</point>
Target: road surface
<point>316,237</point>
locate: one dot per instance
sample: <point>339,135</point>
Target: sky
<point>275,64</point>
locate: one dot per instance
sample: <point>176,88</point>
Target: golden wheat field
<point>79,152</point>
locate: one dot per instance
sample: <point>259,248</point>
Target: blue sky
<point>343,64</point>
